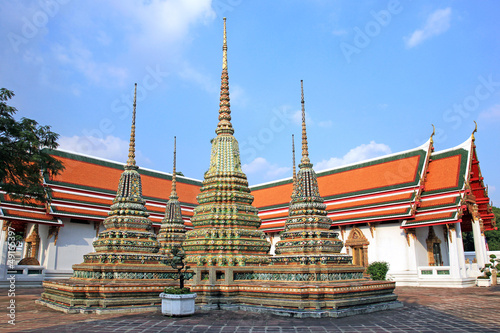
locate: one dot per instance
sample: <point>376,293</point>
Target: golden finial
<point>224,48</point>
<point>174,178</point>
<point>305,151</point>
<point>294,178</point>
<point>224,126</point>
<point>474,131</point>
<point>131,149</point>
<point>433,132</point>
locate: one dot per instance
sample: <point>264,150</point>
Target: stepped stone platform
<point>293,291</point>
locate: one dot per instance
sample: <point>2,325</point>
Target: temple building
<point>407,208</point>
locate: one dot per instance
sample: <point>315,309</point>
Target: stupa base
<point>294,291</point>
<point>332,313</point>
<point>73,296</point>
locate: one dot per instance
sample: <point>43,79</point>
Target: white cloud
<point>492,194</point>
<point>190,74</point>
<point>358,154</point>
<point>492,114</point>
<point>296,118</point>
<point>162,23</point>
<point>437,23</point>
<point>261,166</point>
<point>111,147</point>
<point>325,123</point>
<point>81,58</point>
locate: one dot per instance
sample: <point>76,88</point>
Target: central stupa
<point>225,222</point>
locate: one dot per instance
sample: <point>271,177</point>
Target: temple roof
<point>384,188</point>
<point>390,187</point>
<point>87,187</point>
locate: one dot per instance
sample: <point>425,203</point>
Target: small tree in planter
<point>495,268</point>
<point>378,270</point>
<point>490,272</point>
<point>178,301</point>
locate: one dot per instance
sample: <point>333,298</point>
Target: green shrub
<point>177,291</point>
<point>378,270</point>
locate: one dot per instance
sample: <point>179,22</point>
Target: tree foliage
<point>23,159</point>
<point>493,236</point>
<point>378,270</point>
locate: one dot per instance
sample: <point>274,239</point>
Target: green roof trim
<point>377,217</point>
<point>113,193</point>
<point>453,218</point>
<point>449,205</point>
<point>81,202</point>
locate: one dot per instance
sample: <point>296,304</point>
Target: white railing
<point>27,272</point>
<point>434,272</point>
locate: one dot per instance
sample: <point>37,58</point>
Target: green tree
<point>493,236</point>
<point>468,240</point>
<point>23,159</point>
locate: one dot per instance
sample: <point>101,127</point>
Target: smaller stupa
<point>307,238</point>
<point>125,272</point>
<point>172,231</point>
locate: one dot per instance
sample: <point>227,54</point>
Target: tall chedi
<point>306,238</point>
<point>172,231</point>
<point>225,222</point>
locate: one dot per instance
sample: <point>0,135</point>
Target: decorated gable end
<point>454,191</point>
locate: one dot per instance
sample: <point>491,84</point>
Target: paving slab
<point>448,310</point>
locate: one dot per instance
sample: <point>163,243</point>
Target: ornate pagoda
<point>307,238</point>
<point>172,231</point>
<point>126,270</point>
<point>225,222</point>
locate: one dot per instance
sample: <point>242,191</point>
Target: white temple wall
<point>74,241</point>
<point>389,245</point>
<point>421,246</point>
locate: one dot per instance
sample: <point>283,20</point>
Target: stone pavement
<point>426,310</point>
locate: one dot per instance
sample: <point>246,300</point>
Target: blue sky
<point>376,75</point>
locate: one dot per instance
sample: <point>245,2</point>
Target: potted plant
<point>178,301</point>
<point>484,280</point>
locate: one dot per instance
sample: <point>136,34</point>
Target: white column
<point>49,257</point>
<point>456,250</point>
<point>479,243</point>
<point>460,249</point>
<point>411,252</point>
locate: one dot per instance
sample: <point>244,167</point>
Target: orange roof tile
<point>443,173</point>
<point>371,177</point>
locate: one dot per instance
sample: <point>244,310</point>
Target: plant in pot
<point>484,280</point>
<point>494,268</point>
<point>178,301</point>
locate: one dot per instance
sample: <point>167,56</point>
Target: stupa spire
<point>305,151</point>
<point>172,230</point>
<point>225,224</point>
<point>224,127</point>
<point>307,238</point>
<point>173,194</point>
<point>294,178</point>
<point>131,148</point>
